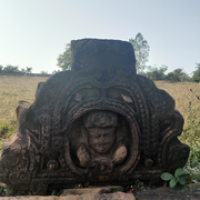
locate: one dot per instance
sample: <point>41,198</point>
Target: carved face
<point>101,127</point>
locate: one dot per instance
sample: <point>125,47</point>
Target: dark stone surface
<point>98,123</point>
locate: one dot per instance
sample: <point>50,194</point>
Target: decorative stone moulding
<point>99,122</point>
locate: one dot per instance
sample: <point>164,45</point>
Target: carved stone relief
<point>98,122</point>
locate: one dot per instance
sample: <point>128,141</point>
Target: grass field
<point>187,99</point>
<point>186,95</point>
<point>13,89</point>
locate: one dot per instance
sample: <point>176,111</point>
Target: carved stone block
<point>98,122</point>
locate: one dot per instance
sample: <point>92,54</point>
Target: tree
<point>10,68</point>
<point>23,70</point>
<point>28,70</point>
<point>196,73</point>
<point>1,67</point>
<point>141,48</point>
<point>178,75</point>
<point>55,71</point>
<point>64,59</point>
<point>185,77</point>
<point>44,72</point>
<point>156,73</point>
<point>170,76</point>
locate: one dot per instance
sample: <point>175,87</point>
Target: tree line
<point>141,49</point>
<point>15,69</point>
<point>154,73</point>
<point>27,70</point>
<point>11,68</point>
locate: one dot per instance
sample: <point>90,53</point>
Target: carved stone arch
<point>134,150</point>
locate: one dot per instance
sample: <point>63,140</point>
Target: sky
<point>34,32</point>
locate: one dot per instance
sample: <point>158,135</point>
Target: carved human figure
<point>103,150</point>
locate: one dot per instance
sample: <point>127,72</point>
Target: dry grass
<point>13,89</point>
<point>183,93</point>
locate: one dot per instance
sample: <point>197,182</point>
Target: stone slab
<point>92,190</point>
<point>157,194</point>
<point>93,196</point>
<point>164,194</point>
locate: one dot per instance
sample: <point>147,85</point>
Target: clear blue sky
<point>34,32</point>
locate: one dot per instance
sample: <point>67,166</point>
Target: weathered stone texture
<point>98,123</point>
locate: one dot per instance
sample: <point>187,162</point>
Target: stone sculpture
<point>98,122</point>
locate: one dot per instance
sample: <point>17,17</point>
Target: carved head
<point>101,126</point>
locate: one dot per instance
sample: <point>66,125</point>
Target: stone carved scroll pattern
<point>46,155</point>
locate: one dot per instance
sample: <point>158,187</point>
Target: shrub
<point>196,74</point>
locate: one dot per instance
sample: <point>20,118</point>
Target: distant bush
<point>44,72</point>
<point>10,68</point>
<point>154,73</point>
<point>55,71</point>
<point>157,73</point>
<point>196,74</point>
<point>178,75</point>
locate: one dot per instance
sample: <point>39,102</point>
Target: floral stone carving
<point>98,122</point>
